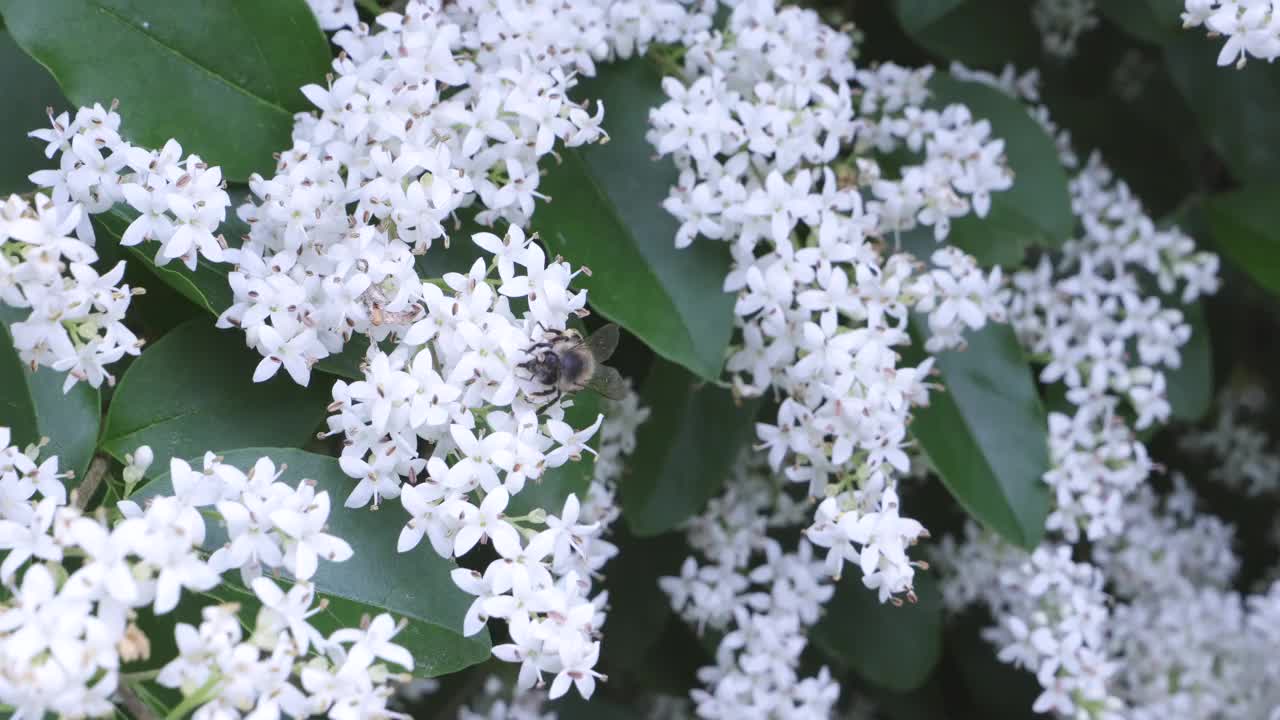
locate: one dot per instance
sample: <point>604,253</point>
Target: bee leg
<point>550,402</point>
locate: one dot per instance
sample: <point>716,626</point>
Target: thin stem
<point>138,710</point>
<point>92,479</point>
<point>201,696</point>
<point>371,6</point>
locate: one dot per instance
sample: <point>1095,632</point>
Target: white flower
<point>302,520</point>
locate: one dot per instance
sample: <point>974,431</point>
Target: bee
<point>566,362</point>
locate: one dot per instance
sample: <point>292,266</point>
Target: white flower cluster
<point>1062,22</point>
<point>541,581</point>
<point>1251,27</point>
<point>1107,338</point>
<point>1186,644</point>
<point>766,129</point>
<point>761,598</point>
<point>1095,314</point>
<point>66,632</point>
<point>446,109</point>
<point>1051,618</point>
<point>76,319</point>
<point>180,201</point>
<point>1242,454</point>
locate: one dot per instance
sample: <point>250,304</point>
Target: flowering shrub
<point>638,358</point>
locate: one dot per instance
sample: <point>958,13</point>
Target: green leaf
<point>963,30</point>
<point>414,585</point>
<point>574,477</point>
<point>606,214</point>
<point>222,78</point>
<point>1190,386</point>
<point>1153,21</point>
<point>33,406</point>
<point>193,391</point>
<point>1036,210</point>
<point>893,647</point>
<point>684,451</point>
<point>1245,225</point>
<point>1235,108</point>
<point>27,90</point>
<point>986,433</point>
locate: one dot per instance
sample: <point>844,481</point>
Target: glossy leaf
<point>1245,225</point>
<point>606,214</point>
<point>1236,108</point>
<point>986,433</point>
<point>962,30</point>
<point>893,647</point>
<point>413,585</point>
<point>1190,386</point>
<point>192,391</point>
<point>222,78</point>
<point>1036,210</point>
<point>27,90</point>
<point>1153,21</point>
<point>32,406</point>
<point>684,451</point>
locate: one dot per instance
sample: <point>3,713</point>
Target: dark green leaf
<point>1236,109</point>
<point>33,406</point>
<point>193,391</point>
<point>962,30</point>
<point>556,484</point>
<point>684,451</point>
<point>986,434</point>
<point>414,585</point>
<point>1037,209</point>
<point>27,90</point>
<point>1245,225</point>
<point>222,78</point>
<point>1154,21</point>
<point>606,214</point>
<point>893,647</point>
<point>347,363</point>
<point>1190,386</point>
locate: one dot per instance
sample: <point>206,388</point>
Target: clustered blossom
<point>66,632</point>
<point>1108,340</point>
<point>1062,22</point>
<point>541,581</point>
<point>1189,645</point>
<point>441,112</point>
<point>762,599</point>
<point>180,202</point>
<point>1251,27</point>
<point>1051,618</point>
<point>1099,316</point>
<point>1242,455</point>
<point>771,127</point>
<point>76,319</point>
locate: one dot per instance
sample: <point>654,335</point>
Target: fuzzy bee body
<point>565,362</point>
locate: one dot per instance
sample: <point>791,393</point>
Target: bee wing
<point>603,342</point>
<point>608,382</point>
